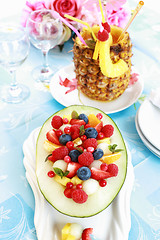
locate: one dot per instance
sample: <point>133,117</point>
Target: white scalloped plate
<point>112,223</point>
<point>130,95</point>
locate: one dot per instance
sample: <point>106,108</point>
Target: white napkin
<point>154,97</point>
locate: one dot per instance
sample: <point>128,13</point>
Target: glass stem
<point>45,59</point>
<point>15,90</point>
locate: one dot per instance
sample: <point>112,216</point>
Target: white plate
<point>149,122</point>
<point>112,223</point>
<point>129,97</point>
<point>144,140</point>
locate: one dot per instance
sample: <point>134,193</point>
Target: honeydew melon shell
<point>53,191</point>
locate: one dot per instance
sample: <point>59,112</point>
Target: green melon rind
<point>53,191</point>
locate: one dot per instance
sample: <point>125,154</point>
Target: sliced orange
<point>111,157</point>
<point>49,146</point>
<point>107,140</point>
<point>93,120</point>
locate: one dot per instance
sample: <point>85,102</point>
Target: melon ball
<point>96,164</point>
<point>76,230</point>
<point>90,186</point>
<point>64,126</point>
<point>60,164</point>
<point>104,147</point>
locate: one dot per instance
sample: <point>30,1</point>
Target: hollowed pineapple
<point>105,77</point>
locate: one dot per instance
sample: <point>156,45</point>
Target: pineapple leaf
<point>74,115</point>
<point>113,149</point>
<point>90,43</point>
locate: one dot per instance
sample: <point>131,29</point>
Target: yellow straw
<point>103,18</point>
<point>82,22</point>
<point>140,4</point>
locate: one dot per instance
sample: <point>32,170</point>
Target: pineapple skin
<point>90,79</point>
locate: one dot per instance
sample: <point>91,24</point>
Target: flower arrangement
<point>117,13</point>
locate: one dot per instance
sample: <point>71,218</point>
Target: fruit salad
<point>82,156</point>
<point>81,160</point>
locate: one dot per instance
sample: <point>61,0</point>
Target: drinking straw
<point>73,28</point>
<point>98,18</point>
<point>81,22</point>
<point>103,18</point>
<point>137,9</point>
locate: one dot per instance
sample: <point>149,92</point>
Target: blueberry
<point>91,132</point>
<point>74,154</point>
<point>64,138</point>
<point>83,117</point>
<point>98,153</point>
<point>84,173</point>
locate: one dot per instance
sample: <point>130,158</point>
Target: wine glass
<point>14,49</point>
<point>44,29</point>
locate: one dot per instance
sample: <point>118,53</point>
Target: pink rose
<point>70,7</point>
<point>29,8</point>
<point>119,17</point>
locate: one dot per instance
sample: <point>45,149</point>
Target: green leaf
<point>79,149</point>
<point>60,172</point>
<point>113,149</point>
<point>74,115</point>
<point>82,130</point>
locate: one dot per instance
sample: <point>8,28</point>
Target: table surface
<point>17,121</point>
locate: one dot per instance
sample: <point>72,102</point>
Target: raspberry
<point>86,158</point>
<point>79,196</point>
<point>108,130</point>
<point>90,142</point>
<point>57,122</point>
<point>60,153</point>
<point>113,169</point>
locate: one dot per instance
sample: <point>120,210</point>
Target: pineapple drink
<point>104,77</point>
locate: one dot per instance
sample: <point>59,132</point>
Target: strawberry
<point>99,126</point>
<point>68,192</point>
<point>75,131</point>
<point>72,168</point>
<point>52,137</point>
<point>86,232</point>
<point>106,27</point>
<point>77,121</point>
<point>99,174</point>
<point>79,196</point>
<point>59,153</point>
<point>56,122</point>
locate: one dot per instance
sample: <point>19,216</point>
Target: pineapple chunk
<point>108,68</point>
<point>63,180</point>
<point>66,230</point>
<point>77,142</point>
<point>107,140</point>
<point>49,146</point>
<point>76,180</point>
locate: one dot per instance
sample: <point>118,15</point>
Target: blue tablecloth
<point>18,120</point>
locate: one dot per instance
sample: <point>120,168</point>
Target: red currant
<point>59,132</point>
<point>101,135</point>
<point>104,167</point>
<point>65,120</point>
<point>90,149</point>
<point>79,186</point>
<point>69,185</point>
<point>70,145</point>
<point>67,159</point>
<point>99,116</point>
<point>83,137</point>
<point>51,174</point>
<point>67,130</point>
<point>103,36</point>
<point>102,183</point>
